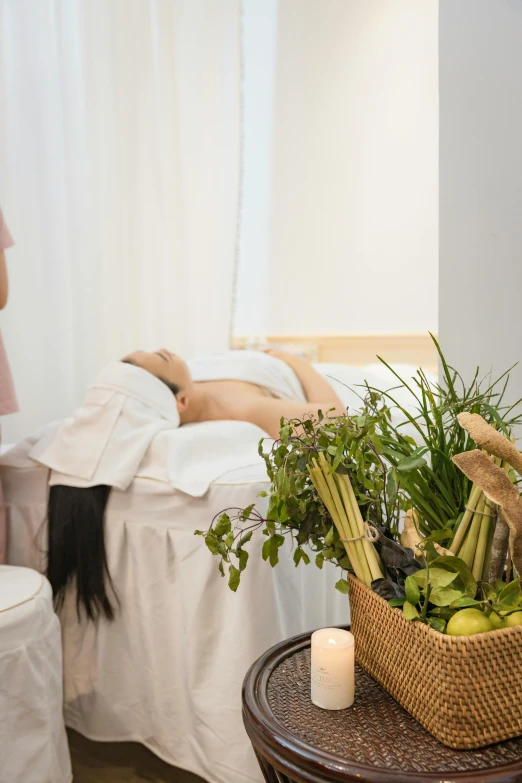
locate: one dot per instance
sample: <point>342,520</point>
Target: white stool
<point>33,743</point>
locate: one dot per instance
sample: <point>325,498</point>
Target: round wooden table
<point>375,741</point>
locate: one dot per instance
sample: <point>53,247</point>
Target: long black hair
<point>76,552</point>
<point>76,546</point>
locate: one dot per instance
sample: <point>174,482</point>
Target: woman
<point>223,400</point>
<point>8,403</point>
<point>76,511</point>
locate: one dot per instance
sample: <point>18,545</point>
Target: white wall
<point>481,185</point>
<point>353,223</point>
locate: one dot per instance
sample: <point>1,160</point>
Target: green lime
<point>467,622</point>
<point>514,619</point>
<point>497,621</point>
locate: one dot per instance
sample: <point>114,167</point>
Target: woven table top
<point>375,731</point>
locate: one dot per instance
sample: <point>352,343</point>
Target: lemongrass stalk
<point>480,552</point>
<point>474,498</point>
<point>467,552</point>
<point>316,474</point>
<point>361,557</point>
<point>489,547</point>
<point>325,494</point>
<point>487,526</point>
<point>352,507</point>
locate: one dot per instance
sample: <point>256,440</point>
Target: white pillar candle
<point>333,669</point>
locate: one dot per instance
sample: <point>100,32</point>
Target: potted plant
<point>420,522</point>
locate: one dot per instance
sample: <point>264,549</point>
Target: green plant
<point>422,468</point>
<point>501,598</point>
<point>328,478</point>
<point>334,480</point>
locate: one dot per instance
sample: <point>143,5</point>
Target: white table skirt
<point>33,743</point>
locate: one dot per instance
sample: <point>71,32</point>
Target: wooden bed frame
<point>356,349</point>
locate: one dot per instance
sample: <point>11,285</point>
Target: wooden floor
<point>120,762</point>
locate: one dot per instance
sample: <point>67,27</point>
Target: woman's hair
<point>76,518</point>
<point>76,550</point>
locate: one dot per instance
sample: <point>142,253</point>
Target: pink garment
<point>3,527</point>
<point>6,240</point>
<point>8,403</point>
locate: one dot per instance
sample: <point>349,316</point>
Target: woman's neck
<point>203,406</point>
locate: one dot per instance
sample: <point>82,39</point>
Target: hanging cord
<point>241,172</point>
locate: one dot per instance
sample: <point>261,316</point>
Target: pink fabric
<point>6,240</point>
<point>8,402</point>
<point>3,528</point>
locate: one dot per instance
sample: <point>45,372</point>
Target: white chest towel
<point>255,367</point>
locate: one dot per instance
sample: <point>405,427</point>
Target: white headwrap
<point>108,436</point>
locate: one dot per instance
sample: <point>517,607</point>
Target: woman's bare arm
<point>267,413</point>
<point>4,284</point>
<point>315,387</point>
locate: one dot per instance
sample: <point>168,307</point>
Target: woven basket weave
<point>465,690</point>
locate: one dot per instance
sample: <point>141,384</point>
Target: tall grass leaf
<point>445,367</point>
<point>496,417</point>
<point>394,372</point>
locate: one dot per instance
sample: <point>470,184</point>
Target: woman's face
<point>164,365</point>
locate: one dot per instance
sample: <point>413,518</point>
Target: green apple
<point>468,622</point>
<point>497,621</point>
<point>514,619</point>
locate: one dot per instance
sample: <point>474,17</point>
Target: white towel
<point>107,437</point>
<point>255,367</point>
<point>194,456</point>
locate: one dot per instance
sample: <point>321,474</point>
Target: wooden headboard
<point>356,349</point>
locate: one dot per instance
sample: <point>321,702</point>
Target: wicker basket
<point>466,691</point>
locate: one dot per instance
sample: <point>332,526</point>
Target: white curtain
<point>119,180</point>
